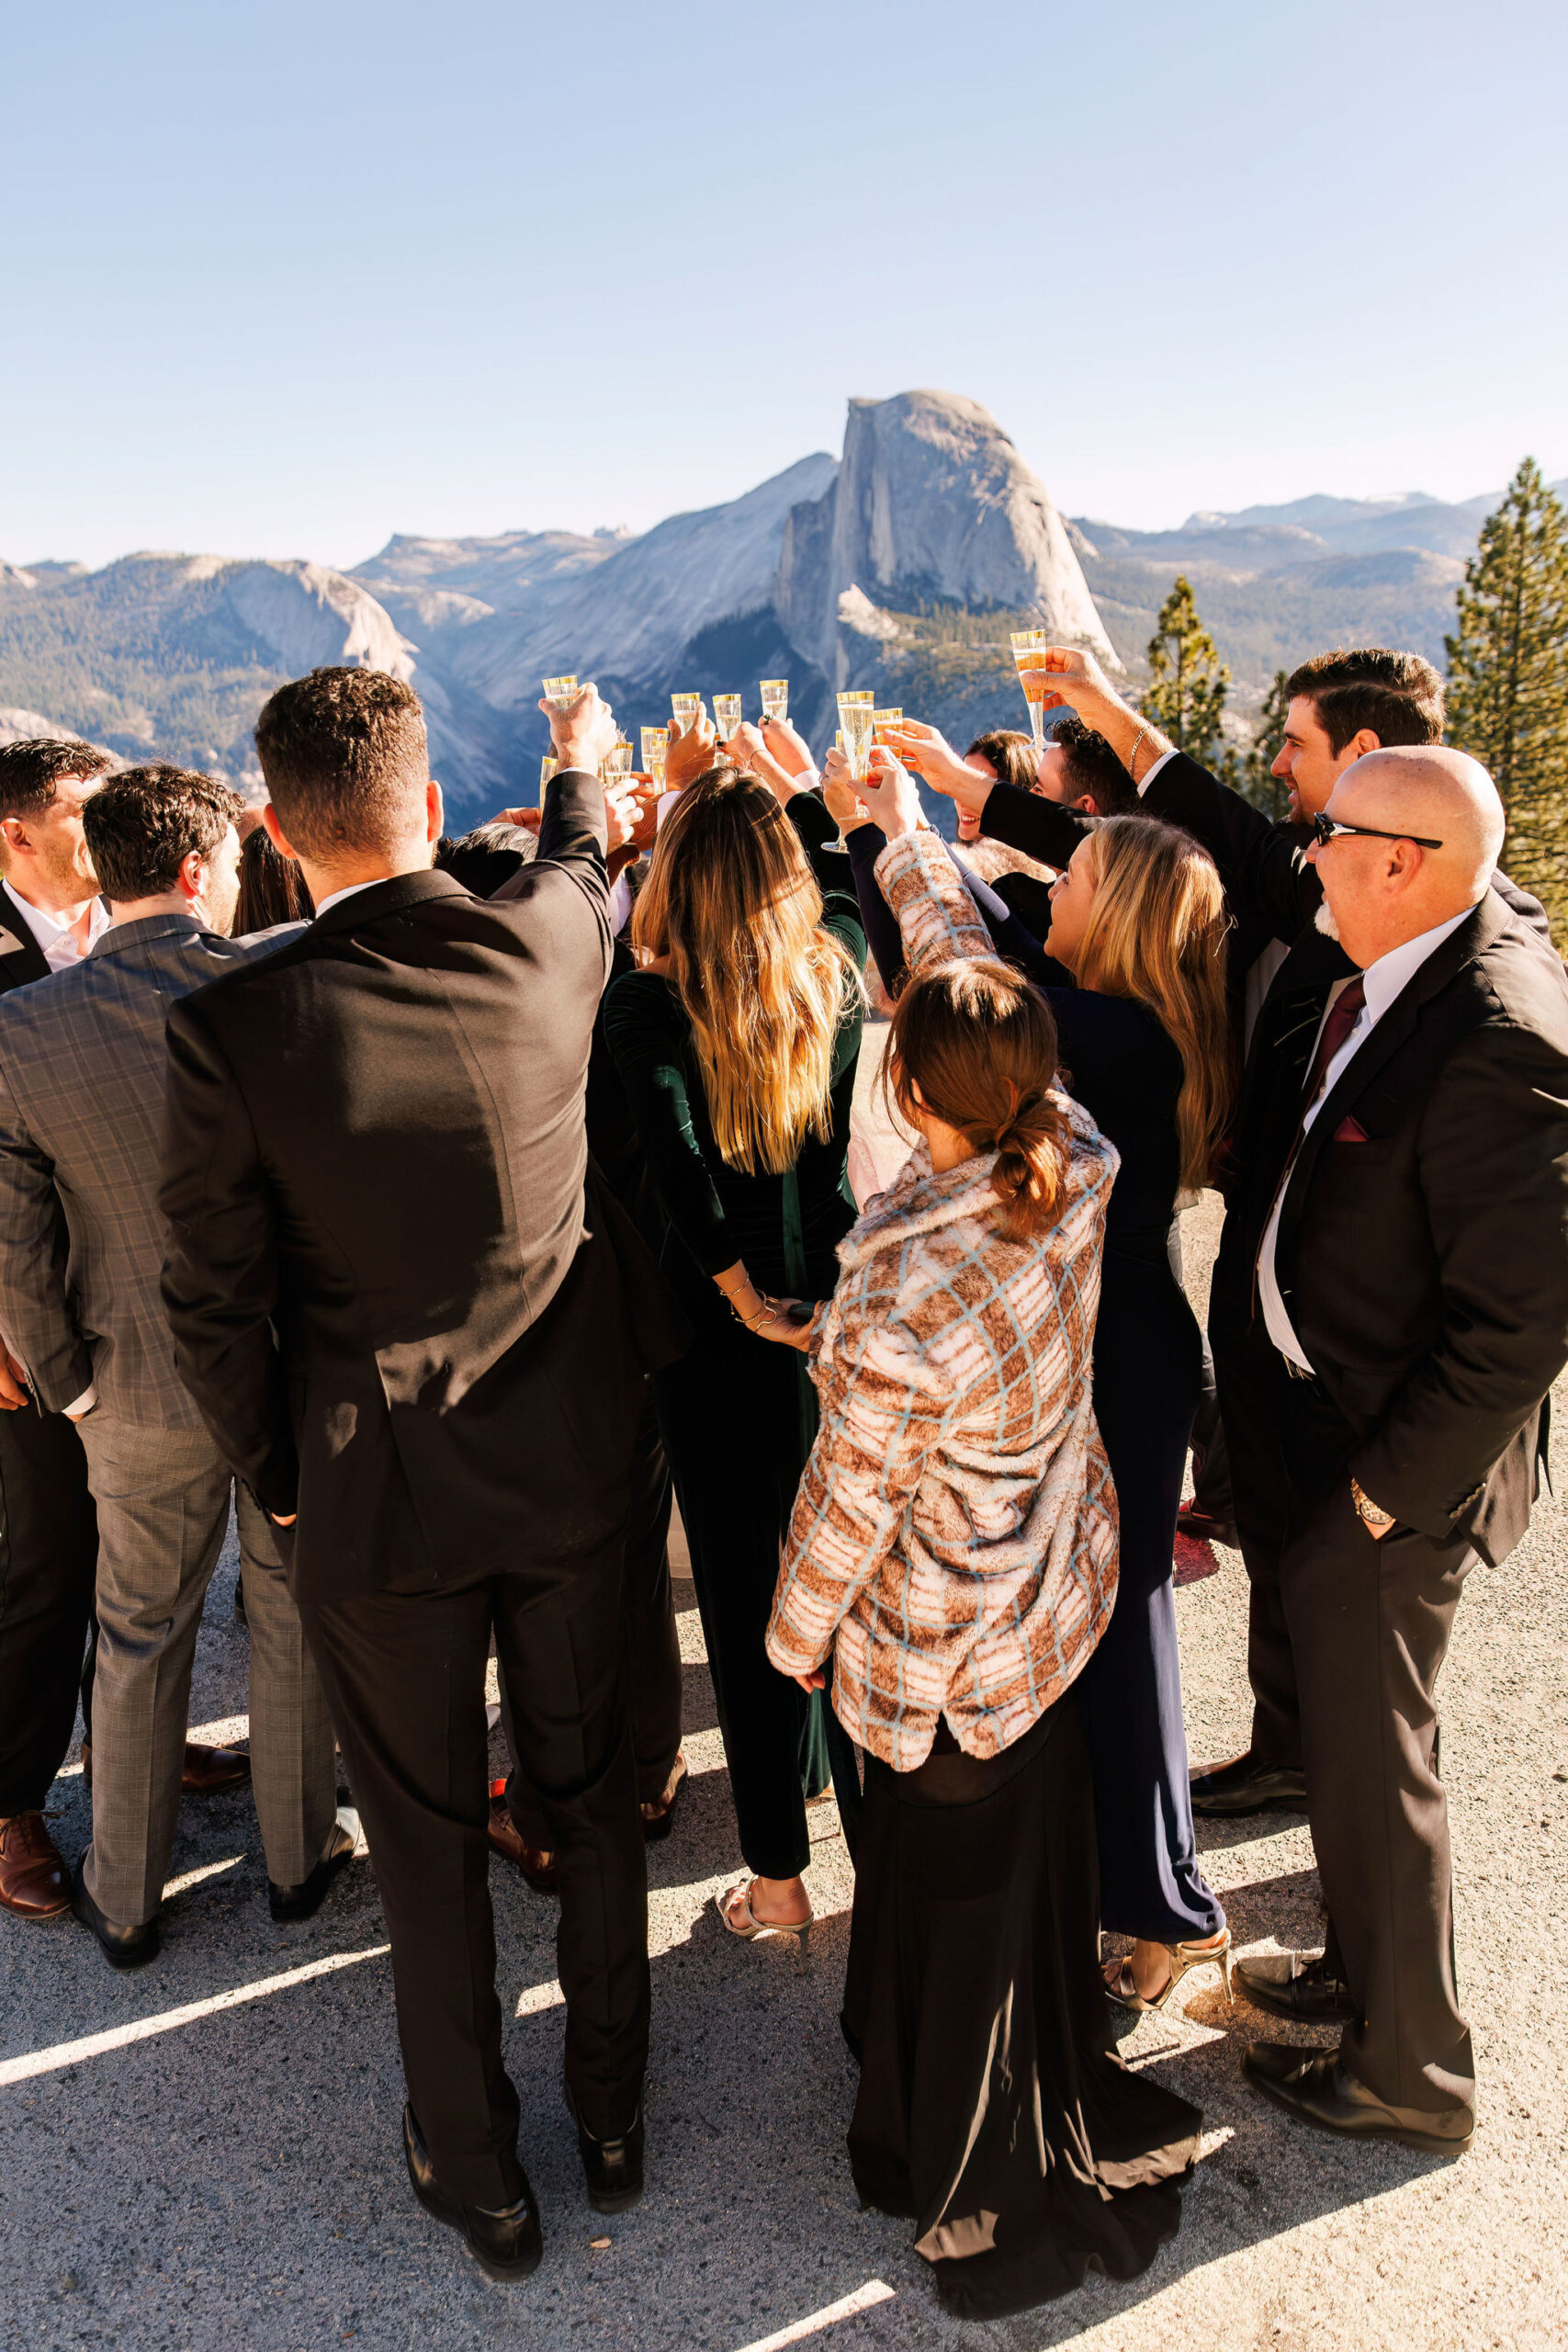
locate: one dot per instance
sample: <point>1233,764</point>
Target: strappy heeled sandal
<point>1181,1957</point>
<point>749,1928</point>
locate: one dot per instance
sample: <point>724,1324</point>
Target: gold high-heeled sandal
<point>1181,1957</point>
<point>749,1929</point>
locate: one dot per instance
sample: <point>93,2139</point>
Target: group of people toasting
<point>459,1220</point>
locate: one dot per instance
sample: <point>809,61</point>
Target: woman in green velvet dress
<point>736,1042</point>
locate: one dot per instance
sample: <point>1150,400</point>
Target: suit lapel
<point>22,960</point>
<point>1372,1057</point>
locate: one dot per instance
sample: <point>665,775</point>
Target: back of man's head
<point>31,769</point>
<point>1091,769</point>
<point>143,825</point>
<point>346,764</point>
<point>1398,697</point>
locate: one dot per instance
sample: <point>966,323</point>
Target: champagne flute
<point>856,713</point>
<point>727,711</point>
<point>688,710</point>
<point>775,698</point>
<point>881,720</point>
<point>560,692</point>
<point>547,767</point>
<point>655,751</point>
<point>618,762</point>
<point>1029,655</point>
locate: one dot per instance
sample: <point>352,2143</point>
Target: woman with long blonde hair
<point>736,1042</point>
<point>1134,969</point>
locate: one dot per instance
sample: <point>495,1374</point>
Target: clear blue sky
<point>282,279</point>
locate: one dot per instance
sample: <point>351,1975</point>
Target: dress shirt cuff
<point>1153,771</point>
<point>83,1404</point>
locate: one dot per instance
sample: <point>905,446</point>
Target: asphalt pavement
<point>207,2152</point>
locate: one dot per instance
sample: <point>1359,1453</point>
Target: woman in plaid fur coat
<point>952,1550</point>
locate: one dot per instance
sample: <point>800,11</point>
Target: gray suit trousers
<point>162,1502</point>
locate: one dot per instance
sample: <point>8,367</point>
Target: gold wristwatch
<point>1373,1514</point>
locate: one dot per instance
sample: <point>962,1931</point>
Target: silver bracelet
<point>1133,754</point>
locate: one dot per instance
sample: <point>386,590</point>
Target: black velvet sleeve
<point>1027,822</point>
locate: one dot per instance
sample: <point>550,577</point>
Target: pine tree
<point>1508,680</point>
<point>1262,788</point>
<point>1186,698</point>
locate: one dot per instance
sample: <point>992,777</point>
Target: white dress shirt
<point>1383,982</point>
<point>57,941</point>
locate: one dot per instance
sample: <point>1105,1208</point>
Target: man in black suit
<point>51,913</point>
<point>418,1326</point>
<point>1392,1290</point>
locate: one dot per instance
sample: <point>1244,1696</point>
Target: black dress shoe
<point>301,1902</point>
<point>1294,1985</point>
<point>121,1947</point>
<point>506,2243</point>
<point>1247,1785</point>
<point>1204,1527</point>
<point>612,2168</point>
<point>1314,2086</point>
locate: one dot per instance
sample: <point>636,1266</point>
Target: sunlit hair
<point>979,1043</point>
<point>732,901</point>
<point>1156,932</point>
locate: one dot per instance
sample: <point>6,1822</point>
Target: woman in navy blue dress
<point>1135,980</point>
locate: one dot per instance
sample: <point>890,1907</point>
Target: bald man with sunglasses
<point>1390,1299</point>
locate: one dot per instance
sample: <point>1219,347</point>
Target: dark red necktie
<point>1342,1014</point>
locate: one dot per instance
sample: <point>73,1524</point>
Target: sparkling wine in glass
<point>688,709</point>
<point>727,711</point>
<point>655,751</point>
<point>618,762</point>
<point>547,767</point>
<point>857,716</point>
<point>560,692</point>
<point>1029,655</point>
<point>881,720</point>
<point>775,698</point>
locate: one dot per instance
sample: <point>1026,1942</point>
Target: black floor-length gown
<point>739,1412</point>
<point>989,2110</point>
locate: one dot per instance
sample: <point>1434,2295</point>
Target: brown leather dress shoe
<point>1315,2087</point>
<point>34,1881</point>
<point>537,1866</point>
<point>206,1769</point>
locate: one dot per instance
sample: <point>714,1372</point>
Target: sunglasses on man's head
<point>1325,828</point>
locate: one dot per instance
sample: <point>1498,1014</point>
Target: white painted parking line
<point>537,1998</point>
<point>96,2045</point>
<point>865,2299</point>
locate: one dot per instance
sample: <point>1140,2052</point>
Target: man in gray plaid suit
<point>82,1242</point>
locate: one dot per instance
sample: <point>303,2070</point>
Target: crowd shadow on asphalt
<point>239,2176</point>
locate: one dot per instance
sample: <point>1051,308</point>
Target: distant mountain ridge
<point>900,566</point>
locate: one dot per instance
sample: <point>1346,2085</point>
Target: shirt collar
<point>47,928</point>
<point>1383,980</point>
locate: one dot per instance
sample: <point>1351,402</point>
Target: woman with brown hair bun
<point>953,1551</point>
<point>736,1043</point>
<point>1133,969</point>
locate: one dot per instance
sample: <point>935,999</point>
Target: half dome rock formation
<point>932,506</point>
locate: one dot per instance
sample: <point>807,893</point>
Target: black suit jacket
<point>1423,1245</point>
<point>388,1297</point>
